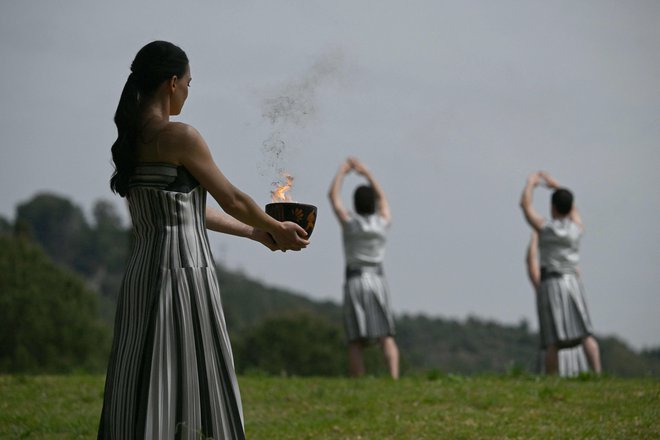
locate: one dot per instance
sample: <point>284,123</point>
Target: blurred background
<point>451,105</point>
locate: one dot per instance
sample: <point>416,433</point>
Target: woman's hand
<point>264,238</point>
<point>534,179</point>
<point>346,166</point>
<point>358,166</point>
<point>550,181</point>
<point>289,236</point>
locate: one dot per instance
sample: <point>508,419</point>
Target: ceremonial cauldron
<point>299,213</point>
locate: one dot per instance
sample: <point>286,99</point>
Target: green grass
<point>436,406</point>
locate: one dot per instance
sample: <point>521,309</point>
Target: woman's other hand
<point>290,237</point>
<point>550,181</point>
<point>358,166</point>
<point>534,179</point>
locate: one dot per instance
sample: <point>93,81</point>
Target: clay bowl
<point>300,213</point>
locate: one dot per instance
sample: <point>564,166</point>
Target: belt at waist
<point>546,273</point>
<point>356,271</point>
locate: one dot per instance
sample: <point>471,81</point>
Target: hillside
<point>265,322</point>
<point>467,347</point>
<point>48,317</point>
<point>247,302</point>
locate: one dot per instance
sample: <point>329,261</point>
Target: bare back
<point>161,142</point>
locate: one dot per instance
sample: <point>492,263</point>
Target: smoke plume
<point>290,107</point>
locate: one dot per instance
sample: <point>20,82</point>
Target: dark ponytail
<point>123,152</point>
<point>156,62</point>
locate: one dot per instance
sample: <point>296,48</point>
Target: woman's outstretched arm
<point>194,154</point>
<point>220,222</point>
<point>334,194</point>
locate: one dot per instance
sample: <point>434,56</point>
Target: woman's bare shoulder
<point>178,132</point>
<point>178,138</point>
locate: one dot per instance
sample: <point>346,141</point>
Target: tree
<point>97,252</point>
<point>5,226</point>
<point>58,226</point>
<point>106,215</point>
<point>107,249</point>
<point>48,318</point>
<point>300,344</point>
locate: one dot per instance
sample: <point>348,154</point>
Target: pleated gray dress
<point>171,373</point>
<point>571,361</point>
<point>367,312</point>
<point>563,315</point>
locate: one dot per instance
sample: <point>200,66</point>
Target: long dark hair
<point>156,62</point>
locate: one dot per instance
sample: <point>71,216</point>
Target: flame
<point>279,194</point>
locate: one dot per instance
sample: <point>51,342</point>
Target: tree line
<point>60,275</point>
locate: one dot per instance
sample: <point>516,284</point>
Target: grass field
<point>426,407</point>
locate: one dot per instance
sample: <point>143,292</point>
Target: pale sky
<point>450,103</point>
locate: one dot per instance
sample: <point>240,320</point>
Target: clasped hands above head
<point>542,178</point>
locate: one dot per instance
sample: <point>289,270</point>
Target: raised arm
<point>576,218</point>
<point>334,194</point>
<point>383,205</point>
<point>534,219</point>
<point>194,154</point>
<point>550,181</point>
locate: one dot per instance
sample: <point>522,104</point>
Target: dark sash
<point>546,274</point>
<point>356,271</point>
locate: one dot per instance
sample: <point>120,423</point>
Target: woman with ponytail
<point>171,372</point>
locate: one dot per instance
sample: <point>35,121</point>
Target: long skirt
<point>367,313</point>
<point>572,361</point>
<point>563,316</point>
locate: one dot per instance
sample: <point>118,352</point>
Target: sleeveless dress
<point>367,313</point>
<point>563,315</point>
<point>171,373</point>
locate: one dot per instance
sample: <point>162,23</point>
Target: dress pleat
<point>367,311</point>
<point>563,316</point>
